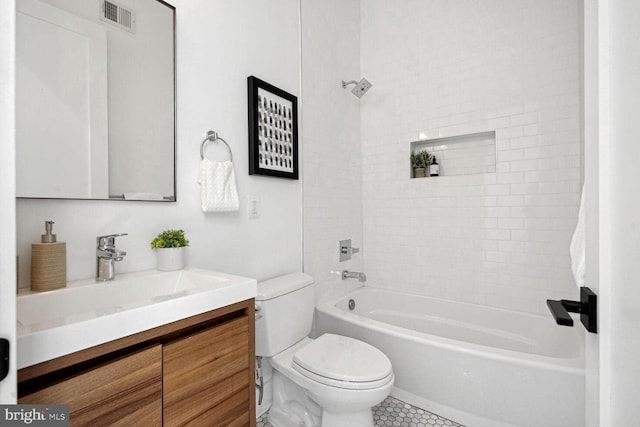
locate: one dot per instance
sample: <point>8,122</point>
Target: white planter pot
<point>170,259</point>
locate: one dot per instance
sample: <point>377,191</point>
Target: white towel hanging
<point>218,192</point>
<point>578,246</point>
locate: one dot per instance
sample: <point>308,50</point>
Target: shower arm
<point>344,84</point>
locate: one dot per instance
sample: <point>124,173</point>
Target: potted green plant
<point>169,246</point>
<point>419,161</point>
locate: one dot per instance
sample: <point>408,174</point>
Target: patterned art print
<point>273,133</point>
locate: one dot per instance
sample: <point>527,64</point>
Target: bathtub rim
<point>572,365</point>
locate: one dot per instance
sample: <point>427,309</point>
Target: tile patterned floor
<point>395,413</point>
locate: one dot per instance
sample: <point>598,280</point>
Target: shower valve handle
<point>346,250</point>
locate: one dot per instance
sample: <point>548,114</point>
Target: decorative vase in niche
<point>170,259</point>
<point>419,172</point>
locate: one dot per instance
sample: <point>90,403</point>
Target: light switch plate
<point>253,207</point>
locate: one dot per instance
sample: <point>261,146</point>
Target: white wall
<point>592,78</point>
<point>7,195</point>
<point>331,132</point>
<point>219,44</point>
<point>621,217</point>
<point>443,68</point>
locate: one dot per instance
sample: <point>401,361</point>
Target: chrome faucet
<point>106,256</point>
<point>346,274</point>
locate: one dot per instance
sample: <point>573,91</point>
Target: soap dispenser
<point>48,262</point>
<point>434,167</point>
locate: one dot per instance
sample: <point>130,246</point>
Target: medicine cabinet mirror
<point>95,99</point>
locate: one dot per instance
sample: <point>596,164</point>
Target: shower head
<point>360,88</point>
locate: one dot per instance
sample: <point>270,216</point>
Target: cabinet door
<point>125,392</point>
<point>206,377</point>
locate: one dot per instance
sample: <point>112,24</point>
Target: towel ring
<point>213,136</point>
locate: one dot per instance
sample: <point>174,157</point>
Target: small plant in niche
<point>169,246</point>
<point>170,239</point>
<point>419,161</point>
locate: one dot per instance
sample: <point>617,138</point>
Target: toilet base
<point>292,407</point>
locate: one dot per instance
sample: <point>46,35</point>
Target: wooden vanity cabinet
<point>197,371</point>
<point>125,392</point>
<point>206,384</point>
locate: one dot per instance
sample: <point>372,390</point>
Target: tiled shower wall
<point>331,138</point>
<point>444,68</point>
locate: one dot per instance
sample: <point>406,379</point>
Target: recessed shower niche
<point>466,154</point>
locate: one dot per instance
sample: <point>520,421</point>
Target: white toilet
<point>332,381</point>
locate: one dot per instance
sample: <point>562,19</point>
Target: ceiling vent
<point>117,15</point>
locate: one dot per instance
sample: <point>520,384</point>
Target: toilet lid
<point>335,360</point>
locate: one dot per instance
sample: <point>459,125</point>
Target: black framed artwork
<point>273,130</point>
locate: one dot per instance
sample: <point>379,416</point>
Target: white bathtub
<point>480,366</point>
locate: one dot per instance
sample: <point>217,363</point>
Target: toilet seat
<point>343,362</point>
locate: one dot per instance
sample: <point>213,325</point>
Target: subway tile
<point>524,142</point>
<point>511,178</point>
<point>498,190</point>
<point>510,132</point>
<point>501,87</point>
<point>510,155</point>
<point>523,119</point>
<point>524,165</point>
<point>511,223</point>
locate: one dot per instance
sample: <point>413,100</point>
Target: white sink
<point>85,313</point>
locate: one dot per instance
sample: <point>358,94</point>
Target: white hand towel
<point>577,247</point>
<point>218,191</point>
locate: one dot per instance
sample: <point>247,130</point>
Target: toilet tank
<point>284,313</point>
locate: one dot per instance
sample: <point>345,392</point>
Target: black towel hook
<point>587,307</point>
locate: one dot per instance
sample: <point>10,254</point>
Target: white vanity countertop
<point>85,313</point>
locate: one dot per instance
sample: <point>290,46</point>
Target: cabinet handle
<point>4,358</point>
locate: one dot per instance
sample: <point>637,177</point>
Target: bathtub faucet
<point>346,274</point>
